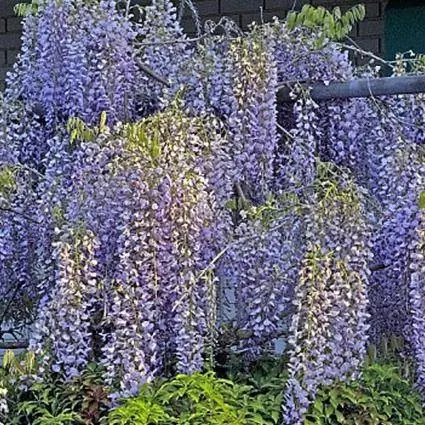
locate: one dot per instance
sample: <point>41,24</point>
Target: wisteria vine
<point>147,179</point>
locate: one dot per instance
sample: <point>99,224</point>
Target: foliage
<point>334,24</point>
<point>265,376</point>
<point>7,180</point>
<point>197,399</point>
<point>24,9</point>
<point>50,400</point>
<point>422,200</point>
<point>162,195</point>
<point>381,397</point>
<point>250,394</point>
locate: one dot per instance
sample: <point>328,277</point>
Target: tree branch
<point>149,71</point>
<point>14,345</point>
<point>12,211</point>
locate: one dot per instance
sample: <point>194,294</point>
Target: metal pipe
<point>14,345</point>
<point>362,87</point>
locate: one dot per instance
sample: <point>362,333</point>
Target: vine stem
<point>11,210</point>
<point>354,47</point>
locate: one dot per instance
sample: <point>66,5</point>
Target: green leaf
<point>318,406</point>
<point>340,417</point>
<point>7,180</point>
<point>102,124</point>
<point>422,200</point>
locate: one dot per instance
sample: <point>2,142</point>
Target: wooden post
<point>362,87</point>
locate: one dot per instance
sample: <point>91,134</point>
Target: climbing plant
<point>155,197</point>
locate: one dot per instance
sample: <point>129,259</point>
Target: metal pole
<point>362,87</point>
<point>14,345</point>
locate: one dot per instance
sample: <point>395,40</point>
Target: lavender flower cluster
<point>154,173</point>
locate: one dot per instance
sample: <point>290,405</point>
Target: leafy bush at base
<point>250,395</point>
<point>381,397</point>
<point>197,399</point>
<point>49,400</point>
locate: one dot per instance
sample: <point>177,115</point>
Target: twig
<point>365,53</point>
<point>182,40</point>
<point>15,345</point>
<point>378,267</point>
<point>238,241</point>
<point>357,49</point>
<point>240,192</point>
<point>195,14</point>
<point>293,82</point>
<point>24,167</point>
<point>127,9</point>
<point>9,303</point>
<point>30,169</point>
<point>283,130</point>
<point>12,211</point>
<point>149,71</point>
<point>232,337</point>
<point>186,40</point>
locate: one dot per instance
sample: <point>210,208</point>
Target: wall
<point>10,33</point>
<point>368,34</point>
<point>404,27</point>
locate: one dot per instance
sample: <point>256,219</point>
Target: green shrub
<point>266,377</point>
<point>251,394</point>
<point>381,397</point>
<point>50,400</point>
<point>198,399</point>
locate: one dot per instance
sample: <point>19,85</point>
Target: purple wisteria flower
<point>152,173</point>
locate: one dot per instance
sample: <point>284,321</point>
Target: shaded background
<point>369,34</point>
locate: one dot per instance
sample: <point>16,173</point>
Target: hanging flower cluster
<point>78,59</point>
<point>416,295</point>
<point>261,266</point>
<point>131,290</point>
<point>331,321</point>
<point>154,176</point>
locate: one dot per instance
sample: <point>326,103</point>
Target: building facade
<point>369,34</point>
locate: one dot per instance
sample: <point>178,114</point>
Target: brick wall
<point>368,34</point>
<point>10,33</point>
